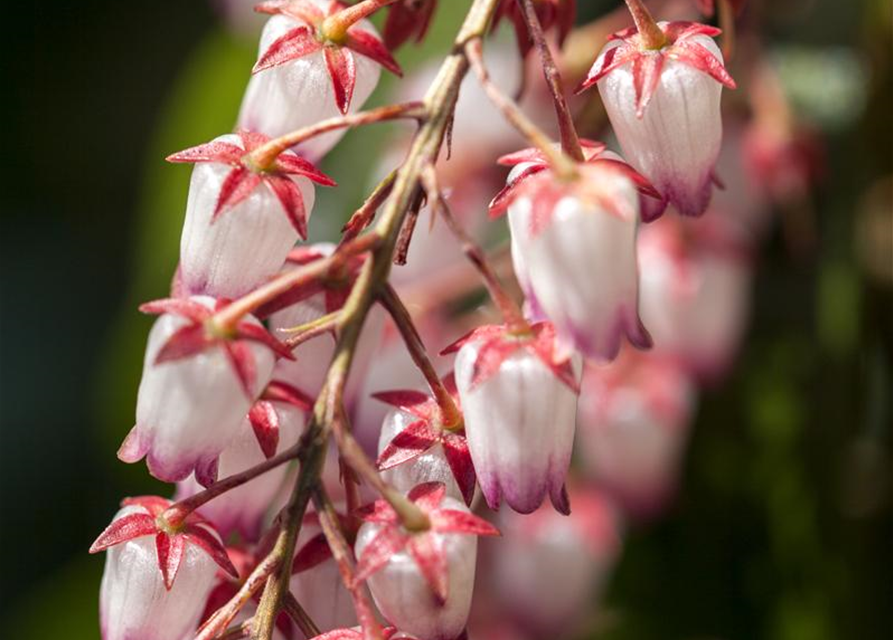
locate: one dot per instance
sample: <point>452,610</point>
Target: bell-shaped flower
<point>157,577</point>
<point>576,242</point>
<point>241,222</point>
<point>548,570</point>
<point>519,398</point>
<point>633,421</point>
<point>416,447</point>
<point>198,383</point>
<point>695,291</point>
<point>422,581</point>
<point>306,72</point>
<point>664,106</point>
<point>274,423</point>
<point>316,580</point>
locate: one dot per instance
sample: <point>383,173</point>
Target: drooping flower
<point>633,421</point>
<point>274,423</point>
<point>574,245</point>
<point>408,19</point>
<point>560,14</point>
<point>241,222</point>
<point>416,447</point>
<point>548,571</point>
<point>519,398</point>
<point>695,291</point>
<point>156,577</point>
<point>198,383</point>
<point>422,581</point>
<point>664,106</point>
<point>306,72</point>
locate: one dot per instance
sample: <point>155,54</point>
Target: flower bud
<point>134,601</point>
<point>298,93</point>
<point>189,408</point>
<point>519,417</point>
<point>664,106</point>
<point>579,263</point>
<point>226,253</point>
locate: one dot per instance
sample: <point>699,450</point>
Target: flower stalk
<point>651,35</point>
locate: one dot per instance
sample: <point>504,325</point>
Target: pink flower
<point>633,420</point>
<point>695,292</point>
<point>302,77</point>
<point>240,222</point>
<point>274,423</point>
<point>414,446</point>
<point>558,13</point>
<point>156,580</point>
<point>422,581</point>
<point>519,398</point>
<point>408,19</point>
<point>664,107</point>
<point>574,246</point>
<point>548,570</point>
<point>197,386</point>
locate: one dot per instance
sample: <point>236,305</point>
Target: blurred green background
<point>783,529</point>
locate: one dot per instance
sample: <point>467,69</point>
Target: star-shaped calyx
<point>170,539</point>
<point>245,176</point>
<point>594,153</point>
<point>264,414</point>
<point>680,44</point>
<point>202,334</point>
<point>425,547</point>
<point>558,13</point>
<point>354,634</point>
<point>499,342</point>
<point>332,32</point>
<point>426,431</point>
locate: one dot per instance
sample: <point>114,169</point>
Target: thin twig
<point>450,414</point>
<point>363,216</point>
<point>296,612</point>
<point>570,142</point>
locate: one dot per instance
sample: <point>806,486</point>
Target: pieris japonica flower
<point>548,570</point>
<point>198,383</point>
<point>157,576</point>
<point>519,398</point>
<point>316,581</point>
<point>422,581</point>
<point>633,421</point>
<point>664,107</point>
<point>574,245</point>
<point>415,446</point>
<point>274,423</point>
<point>695,292</point>
<point>241,221</point>
<point>308,70</point>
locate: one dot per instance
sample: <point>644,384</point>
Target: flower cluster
<point>332,474</point>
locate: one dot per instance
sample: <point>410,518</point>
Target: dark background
<point>783,528</point>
